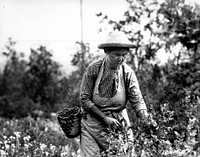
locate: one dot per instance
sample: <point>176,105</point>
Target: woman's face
<point>116,57</point>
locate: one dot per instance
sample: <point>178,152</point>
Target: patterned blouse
<point>108,85</point>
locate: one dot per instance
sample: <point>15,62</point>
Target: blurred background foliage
<point>171,90</point>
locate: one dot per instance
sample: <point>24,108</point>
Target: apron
<point>95,134</point>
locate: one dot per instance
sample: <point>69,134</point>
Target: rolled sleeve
<point>133,91</point>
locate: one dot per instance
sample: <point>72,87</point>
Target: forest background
<point>34,89</point>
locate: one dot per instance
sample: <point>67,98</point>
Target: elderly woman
<point>106,87</point>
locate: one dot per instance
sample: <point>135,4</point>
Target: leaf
<point>99,14</point>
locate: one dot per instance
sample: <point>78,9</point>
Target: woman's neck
<point>109,66</point>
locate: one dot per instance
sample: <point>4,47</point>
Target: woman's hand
<point>147,119</point>
<point>143,114</point>
<point>112,122</point>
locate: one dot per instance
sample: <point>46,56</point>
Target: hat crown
<point>116,39</point>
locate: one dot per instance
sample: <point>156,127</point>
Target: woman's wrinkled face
<point>116,56</point>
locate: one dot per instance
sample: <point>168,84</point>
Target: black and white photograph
<point>99,78</point>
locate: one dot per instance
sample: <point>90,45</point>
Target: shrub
<point>29,137</point>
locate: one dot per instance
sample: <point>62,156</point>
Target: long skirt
<point>97,140</point>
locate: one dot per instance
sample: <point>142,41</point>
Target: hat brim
<point>107,45</point>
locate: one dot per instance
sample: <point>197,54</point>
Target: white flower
<point>17,134</point>
<point>27,138</point>
<point>63,154</point>
<point>7,146</point>
<point>52,147</point>
<point>12,145</point>
<point>2,153</point>
<point>46,153</point>
<point>12,138</point>
<point>79,153</point>
<point>43,146</point>
<point>73,154</point>
<point>26,145</point>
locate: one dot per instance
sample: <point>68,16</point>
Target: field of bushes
<point>29,137</point>
<point>34,88</point>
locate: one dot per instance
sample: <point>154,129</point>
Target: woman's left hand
<point>143,114</point>
<point>112,122</point>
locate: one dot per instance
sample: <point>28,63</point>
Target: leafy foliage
<point>181,24</point>
<point>41,78</point>
<point>169,138</point>
<point>29,137</point>
<point>81,59</point>
<point>141,24</point>
<point>12,98</point>
<point>171,90</point>
<point>153,27</point>
<point>32,87</point>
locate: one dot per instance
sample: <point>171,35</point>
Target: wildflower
<point>43,146</point>
<point>63,154</point>
<point>26,146</point>
<point>17,134</point>
<point>46,153</point>
<point>73,154</point>
<point>4,130</point>
<point>78,153</point>
<point>7,146</point>
<point>27,138</point>
<point>12,145</point>
<point>2,153</point>
<point>12,138</point>
<point>66,149</point>
<point>52,147</point>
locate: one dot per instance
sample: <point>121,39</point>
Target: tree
<point>161,26</point>
<point>41,79</point>
<point>29,85</point>
<point>14,69</point>
<point>182,25</point>
<point>140,23</point>
<point>158,26</point>
<point>12,99</point>
<point>81,59</point>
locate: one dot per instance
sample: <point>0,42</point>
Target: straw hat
<point>116,39</point>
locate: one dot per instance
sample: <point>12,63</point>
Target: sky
<point>54,24</point>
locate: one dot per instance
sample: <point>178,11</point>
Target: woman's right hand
<point>112,122</point>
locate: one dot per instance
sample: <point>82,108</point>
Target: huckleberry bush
<point>119,144</point>
<point>39,138</point>
<point>168,138</point>
<point>28,137</point>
